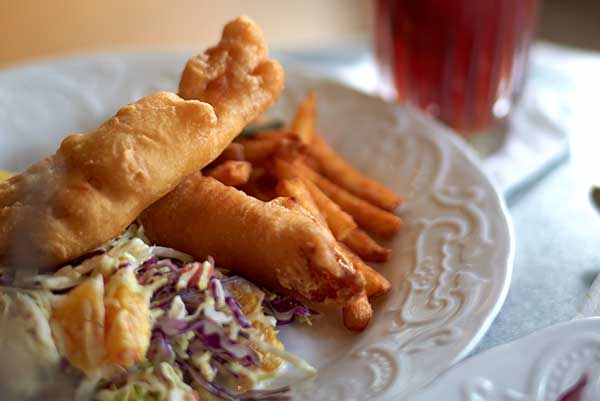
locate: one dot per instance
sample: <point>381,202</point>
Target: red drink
<point>460,60</point>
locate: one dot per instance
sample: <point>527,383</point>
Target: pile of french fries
<point>296,162</point>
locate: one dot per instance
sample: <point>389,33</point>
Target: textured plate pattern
<point>451,264</point>
<point>540,367</point>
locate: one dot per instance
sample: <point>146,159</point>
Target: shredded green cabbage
<point>161,383</point>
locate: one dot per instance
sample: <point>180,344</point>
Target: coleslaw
<point>151,323</point>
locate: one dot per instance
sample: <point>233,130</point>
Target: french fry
<point>234,151</point>
<point>370,217</point>
<point>311,162</point>
<point>340,223</point>
<point>255,151</point>
<point>375,284</point>
<point>364,246</point>
<point>358,314</point>
<point>339,171</point>
<point>231,172</point>
<point>305,121</point>
<point>261,185</point>
<point>276,134</point>
<point>264,148</point>
<point>295,188</point>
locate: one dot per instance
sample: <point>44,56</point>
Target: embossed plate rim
<point>473,158</point>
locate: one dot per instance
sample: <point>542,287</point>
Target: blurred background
<point>34,29</point>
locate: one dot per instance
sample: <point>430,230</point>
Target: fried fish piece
<point>268,242</point>
<point>98,183</point>
<point>235,77</point>
<point>296,188</point>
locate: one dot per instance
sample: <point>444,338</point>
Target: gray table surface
<point>557,229</point>
<point>557,236</point>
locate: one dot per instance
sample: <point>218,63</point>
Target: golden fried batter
<point>271,244</point>
<point>235,77</point>
<point>98,183</point>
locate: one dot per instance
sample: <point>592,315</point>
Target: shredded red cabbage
<point>226,365</point>
<point>165,268</point>
<point>172,327</point>
<point>236,309</point>
<point>279,394</point>
<point>232,303</point>
<point>210,336</point>
<point>154,268</point>
<point>219,296</point>
<point>153,260</point>
<point>146,271</point>
<point>213,388</point>
<point>192,298</point>
<point>6,277</point>
<point>284,308</point>
<point>160,349</point>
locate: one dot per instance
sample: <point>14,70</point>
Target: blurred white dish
<point>540,367</point>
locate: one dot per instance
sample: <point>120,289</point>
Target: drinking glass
<point>462,61</point>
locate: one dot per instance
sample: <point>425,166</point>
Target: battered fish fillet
<point>235,76</point>
<point>98,183</point>
<point>270,243</point>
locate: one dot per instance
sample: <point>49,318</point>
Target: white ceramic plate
<point>451,264</point>
<point>540,367</point>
